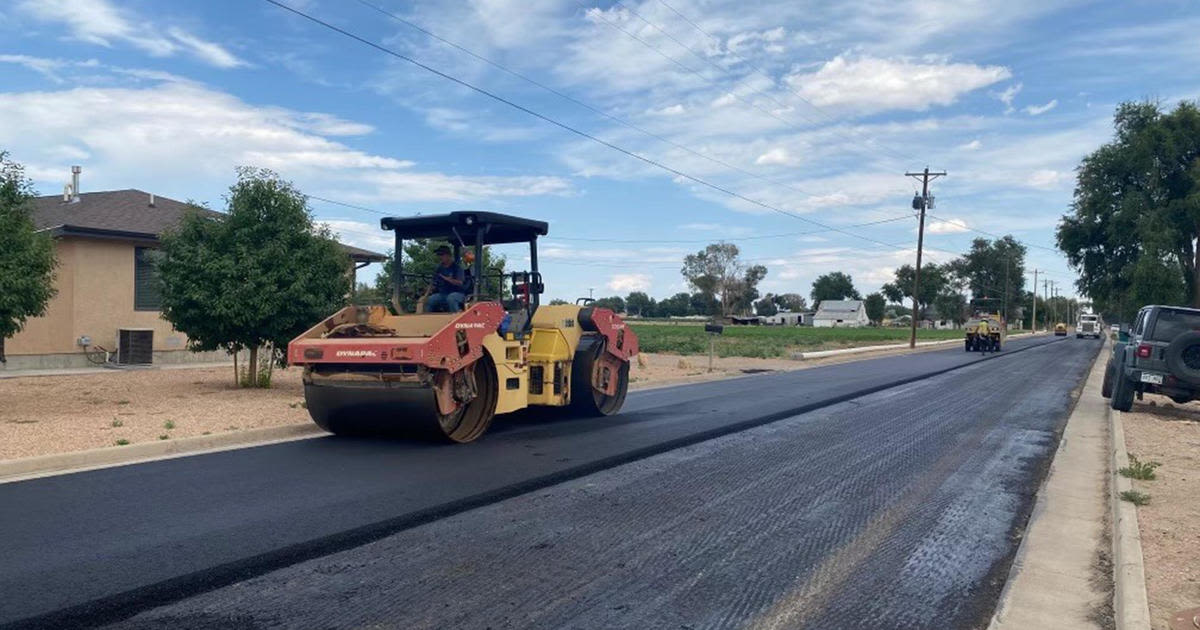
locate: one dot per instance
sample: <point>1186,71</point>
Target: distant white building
<point>785,318</point>
<point>841,313</point>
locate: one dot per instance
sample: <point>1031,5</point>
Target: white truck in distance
<point>1089,326</point>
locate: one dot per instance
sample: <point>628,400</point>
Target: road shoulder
<point>1058,577</point>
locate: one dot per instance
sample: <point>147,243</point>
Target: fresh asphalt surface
<point>777,500</point>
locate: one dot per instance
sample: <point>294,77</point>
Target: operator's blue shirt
<point>440,285</point>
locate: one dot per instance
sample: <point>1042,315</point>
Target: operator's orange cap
<point>469,256</point>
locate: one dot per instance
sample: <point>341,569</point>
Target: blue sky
<point>820,107</point>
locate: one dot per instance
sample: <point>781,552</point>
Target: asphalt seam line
<point>121,606</point>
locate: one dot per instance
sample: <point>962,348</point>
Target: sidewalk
<point>1060,578</point>
<point>104,370</point>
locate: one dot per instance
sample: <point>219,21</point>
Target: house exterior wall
<point>95,298</point>
<point>848,320</point>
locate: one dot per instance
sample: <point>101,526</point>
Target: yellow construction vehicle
<point>986,330</point>
<point>374,370</point>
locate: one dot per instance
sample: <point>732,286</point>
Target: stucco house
<point>107,288</point>
<point>789,318</point>
<point>841,313</point>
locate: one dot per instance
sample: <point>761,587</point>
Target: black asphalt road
<point>916,485</point>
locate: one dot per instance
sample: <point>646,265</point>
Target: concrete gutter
<point>60,463</point>
<point>1049,583</point>
<point>1131,607</point>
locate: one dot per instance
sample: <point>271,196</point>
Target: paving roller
<point>380,371</point>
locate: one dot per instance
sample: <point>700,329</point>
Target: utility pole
<point>921,204</point>
<point>1033,322</point>
<point>1007,264</point>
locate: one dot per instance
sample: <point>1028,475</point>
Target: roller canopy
<point>497,228</point>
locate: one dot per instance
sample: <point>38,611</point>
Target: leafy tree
<point>704,304</point>
<point>833,286</point>
<point>639,304</point>
<point>27,259</point>
<point>616,303</point>
<point>259,275</point>
<point>951,305</point>
<point>875,305</point>
<point>766,306</point>
<point>678,305</point>
<point>558,302</point>
<point>793,302</point>
<point>933,284</point>
<point>994,269</point>
<point>1135,217</point>
<point>717,272</point>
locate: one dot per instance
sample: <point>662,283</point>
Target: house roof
<point>832,308</point>
<point>128,215</point>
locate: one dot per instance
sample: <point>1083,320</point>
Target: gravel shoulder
<point>1168,433</point>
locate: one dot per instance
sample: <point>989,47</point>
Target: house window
<point>147,288</point>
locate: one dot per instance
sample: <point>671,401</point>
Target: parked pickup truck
<point>1162,356</point>
<point>1088,326</point>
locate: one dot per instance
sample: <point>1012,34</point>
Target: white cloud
<point>625,282</point>
<point>1007,96</point>
<point>673,110</point>
<point>1037,110</point>
<point>184,139</point>
<point>875,84</point>
<point>778,155</point>
<point>99,22</point>
<point>949,226</point>
<point>971,146</point>
<point>46,67</point>
<point>1047,178</point>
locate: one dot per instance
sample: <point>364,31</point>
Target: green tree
<point>27,259</point>
<point>994,269</point>
<point>639,304</point>
<point>833,286</point>
<point>933,284</point>
<point>260,275</point>
<point>951,305</point>
<point>1135,218</point>
<point>766,306</point>
<point>616,303</point>
<point>558,302</point>
<point>718,272</point>
<point>793,302</point>
<point>704,304</point>
<point>678,305</point>
<point>875,305</point>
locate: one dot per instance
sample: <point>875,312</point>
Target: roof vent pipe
<point>151,200</point>
<point>75,171</point>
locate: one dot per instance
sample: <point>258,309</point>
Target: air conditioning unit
<point>135,346</point>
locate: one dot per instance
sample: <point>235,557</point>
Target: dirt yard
<point>41,415</point>
<point>1170,525</point>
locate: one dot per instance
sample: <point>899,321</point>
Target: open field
<point>770,341</point>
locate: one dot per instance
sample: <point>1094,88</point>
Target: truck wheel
<point>1122,393</point>
<point>1106,386</point>
<point>1183,357</point>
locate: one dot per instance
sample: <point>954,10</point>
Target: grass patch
<point>1135,497</point>
<point>118,423</point>
<point>122,402</point>
<point>1137,469</point>
<point>169,424</point>
<point>771,341</point>
<point>164,437</point>
<point>121,442</point>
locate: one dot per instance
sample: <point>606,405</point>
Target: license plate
<point>1152,378</point>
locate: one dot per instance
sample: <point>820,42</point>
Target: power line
<point>582,104</point>
<point>992,234</point>
<point>565,126</point>
<point>710,240</point>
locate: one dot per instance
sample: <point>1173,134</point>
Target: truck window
<point>1137,325</point>
<point>1170,324</point>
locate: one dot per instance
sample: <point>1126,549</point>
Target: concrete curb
<point>1131,607</point>
<point>79,461</point>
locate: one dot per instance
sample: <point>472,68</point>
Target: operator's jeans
<point>441,302</point>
